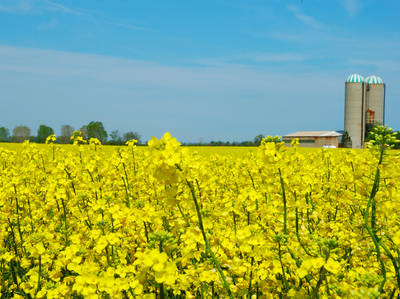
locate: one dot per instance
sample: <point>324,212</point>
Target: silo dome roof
<point>373,80</point>
<point>355,78</point>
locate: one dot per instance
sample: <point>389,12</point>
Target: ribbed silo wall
<point>375,101</point>
<point>354,113</point>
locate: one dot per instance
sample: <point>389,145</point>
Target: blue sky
<point>203,70</point>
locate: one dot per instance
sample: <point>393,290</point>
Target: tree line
<point>255,142</point>
<point>94,129</point>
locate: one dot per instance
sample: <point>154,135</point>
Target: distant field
<point>202,150</point>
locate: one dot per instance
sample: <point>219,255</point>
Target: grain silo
<point>355,109</point>
<point>374,101</point>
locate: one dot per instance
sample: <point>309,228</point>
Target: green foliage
<point>66,133</point>
<point>83,131</point>
<point>274,139</point>
<point>44,132</point>
<point>346,140</point>
<point>4,134</point>
<point>382,137</point>
<point>258,139</point>
<point>95,129</point>
<point>21,133</point>
<point>131,135</point>
<point>115,138</point>
<point>369,128</point>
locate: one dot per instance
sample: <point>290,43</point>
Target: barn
<point>328,139</point>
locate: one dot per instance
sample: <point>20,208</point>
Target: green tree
<point>115,138</point>
<point>397,145</point>
<point>274,139</point>
<point>4,134</point>
<point>66,133</point>
<point>83,130</point>
<point>131,135</point>
<point>44,132</point>
<point>257,139</point>
<point>369,128</point>
<point>21,133</point>
<point>346,140</point>
<point>95,129</point>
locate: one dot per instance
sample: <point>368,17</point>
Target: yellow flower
<point>332,266</point>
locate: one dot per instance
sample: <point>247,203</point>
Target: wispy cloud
<point>383,65</point>
<point>351,6</point>
<point>279,35</point>
<point>252,58</point>
<point>37,6</point>
<point>189,100</point>
<point>54,6</point>
<point>47,25</point>
<point>274,57</point>
<point>51,6</point>
<point>121,23</point>
<point>16,6</point>
<point>149,74</point>
<point>302,17</point>
<point>128,26</point>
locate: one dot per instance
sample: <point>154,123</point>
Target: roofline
<point>322,134</point>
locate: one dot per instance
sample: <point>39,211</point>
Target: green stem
<point>207,244</point>
<point>250,279</point>
<point>371,230</point>
<point>39,274</point>
<point>285,231</point>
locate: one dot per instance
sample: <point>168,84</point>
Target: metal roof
<point>355,78</point>
<point>314,134</point>
<point>373,80</point>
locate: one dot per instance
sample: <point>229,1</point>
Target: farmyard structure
<point>364,106</point>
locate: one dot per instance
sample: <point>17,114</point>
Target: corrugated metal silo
<point>355,109</point>
<point>374,101</point>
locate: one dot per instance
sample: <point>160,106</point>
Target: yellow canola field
<point>235,151</point>
<point>172,222</point>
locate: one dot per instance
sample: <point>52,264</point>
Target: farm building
<point>314,138</point>
<point>364,106</point>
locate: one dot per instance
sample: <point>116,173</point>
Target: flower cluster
<point>163,221</point>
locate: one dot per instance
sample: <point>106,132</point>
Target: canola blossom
<point>166,222</point>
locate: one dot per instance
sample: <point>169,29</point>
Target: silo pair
<point>364,106</point>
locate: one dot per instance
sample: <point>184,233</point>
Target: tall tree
<point>44,132</point>
<point>131,135</point>
<point>115,138</point>
<point>257,139</point>
<point>83,130</point>
<point>346,140</point>
<point>66,133</point>
<point>95,129</point>
<point>21,133</point>
<point>4,134</point>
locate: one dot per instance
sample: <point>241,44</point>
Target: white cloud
<point>251,58</point>
<point>54,6</point>
<point>351,6</point>
<point>51,6</point>
<point>36,6</point>
<point>16,6</point>
<point>190,100</point>
<point>217,79</point>
<point>302,17</point>
<point>274,57</point>
<point>128,71</point>
<point>49,24</point>
<point>383,65</point>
